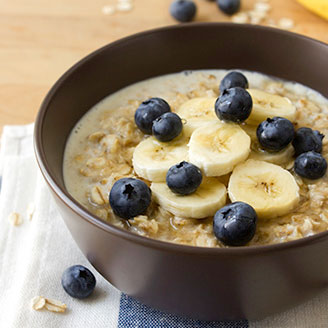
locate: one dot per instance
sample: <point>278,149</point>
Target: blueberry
<point>232,80</point>
<point>229,7</point>
<point>235,224</point>
<point>167,127</point>
<point>306,140</point>
<point>78,281</point>
<point>310,165</point>
<point>148,111</point>
<point>183,10</point>
<point>234,104</point>
<point>275,134</point>
<point>184,178</point>
<point>129,197</point>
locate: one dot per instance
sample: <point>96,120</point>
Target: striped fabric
<point>134,314</point>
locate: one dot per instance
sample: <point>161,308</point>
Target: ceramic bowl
<point>203,283</point>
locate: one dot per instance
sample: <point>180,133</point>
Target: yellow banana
<point>320,7</point>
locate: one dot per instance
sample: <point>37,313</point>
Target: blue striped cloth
<point>133,314</point>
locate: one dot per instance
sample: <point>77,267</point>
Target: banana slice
<point>205,201</point>
<point>152,158</point>
<point>250,130</point>
<point>281,157</point>
<point>217,147</point>
<point>197,112</point>
<point>270,189</point>
<point>268,105</point>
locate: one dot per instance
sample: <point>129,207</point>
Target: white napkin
<point>34,255</point>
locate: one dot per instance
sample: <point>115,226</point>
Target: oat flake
<point>240,18</point>
<point>256,20</point>
<point>15,219</point>
<point>124,6</point>
<point>286,23</point>
<point>108,10</point>
<point>30,211</point>
<point>38,303</point>
<point>55,306</point>
<point>262,7</point>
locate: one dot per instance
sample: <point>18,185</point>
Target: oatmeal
<point>102,149</point>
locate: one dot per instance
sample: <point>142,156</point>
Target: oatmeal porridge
<point>106,145</point>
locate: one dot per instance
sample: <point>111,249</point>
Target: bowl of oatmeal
<point>168,255</point>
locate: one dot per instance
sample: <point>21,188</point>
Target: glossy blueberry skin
<point>183,10</point>
<point>167,127</point>
<point>275,133</point>
<point>229,7</point>
<point>310,165</point>
<point>148,111</point>
<point>78,281</point>
<point>234,104</point>
<point>235,224</point>
<point>232,80</point>
<point>129,197</point>
<point>184,178</point>
<point>306,140</point>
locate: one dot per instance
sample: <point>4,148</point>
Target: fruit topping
<point>234,104</point>
<point>184,178</point>
<point>275,134</point>
<point>271,190</point>
<point>310,165</point>
<point>129,197</point>
<point>167,126</point>
<point>152,159</point>
<point>235,224</point>
<point>183,10</point>
<point>204,202</point>
<point>232,80</point>
<point>218,147</point>
<point>269,105</point>
<point>229,7</point>
<point>148,111</point>
<point>78,281</point>
<point>306,140</point>
<point>197,112</point>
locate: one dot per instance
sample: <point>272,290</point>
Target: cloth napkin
<point>34,254</point>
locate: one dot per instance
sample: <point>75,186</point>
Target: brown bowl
<point>203,283</point>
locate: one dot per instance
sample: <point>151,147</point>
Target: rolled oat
<point>30,211</point>
<point>38,303</point>
<point>15,219</point>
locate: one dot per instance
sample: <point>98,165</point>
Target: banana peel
<point>320,7</point>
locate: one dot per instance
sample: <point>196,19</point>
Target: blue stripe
<point>136,315</point>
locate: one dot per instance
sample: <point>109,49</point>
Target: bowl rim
<point>86,215</point>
